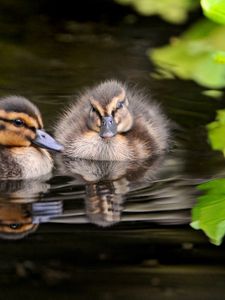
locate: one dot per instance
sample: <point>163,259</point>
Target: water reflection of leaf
<point>197,55</point>
<point>213,93</point>
<point>216,132</point>
<point>209,212</point>
<point>174,11</point>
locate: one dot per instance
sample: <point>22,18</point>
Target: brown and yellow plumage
<point>113,122</point>
<point>21,140</point>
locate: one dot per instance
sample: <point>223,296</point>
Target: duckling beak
<point>108,127</point>
<point>44,140</point>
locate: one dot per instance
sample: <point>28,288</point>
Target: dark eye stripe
<point>94,110</point>
<point>12,121</point>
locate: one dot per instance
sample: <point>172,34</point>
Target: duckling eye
<point>18,122</point>
<point>94,110</point>
<point>120,104</point>
<point>15,225</point>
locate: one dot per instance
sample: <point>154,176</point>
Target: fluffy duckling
<point>21,140</point>
<point>113,122</point>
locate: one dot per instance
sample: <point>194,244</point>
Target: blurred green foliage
<point>174,11</point>
<point>214,10</point>
<point>216,132</point>
<point>197,55</point>
<point>209,212</point>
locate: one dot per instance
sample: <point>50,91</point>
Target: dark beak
<point>44,140</point>
<point>108,127</point>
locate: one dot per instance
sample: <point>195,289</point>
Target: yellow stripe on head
<point>40,122</point>
<point>10,138</point>
<point>97,106</point>
<point>12,135</point>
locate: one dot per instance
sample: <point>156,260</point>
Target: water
<point>106,230</point>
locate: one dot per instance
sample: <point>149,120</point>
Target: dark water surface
<point>106,230</point>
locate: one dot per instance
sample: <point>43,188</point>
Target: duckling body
<point>22,140</point>
<point>25,162</point>
<point>113,122</point>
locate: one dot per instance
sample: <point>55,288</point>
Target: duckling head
<point>109,113</point>
<point>21,125</point>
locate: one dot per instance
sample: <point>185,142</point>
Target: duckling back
<point>113,122</point>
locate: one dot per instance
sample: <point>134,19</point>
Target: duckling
<point>113,122</point>
<point>22,140</point>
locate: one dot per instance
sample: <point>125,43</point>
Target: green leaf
<point>216,132</point>
<point>174,11</point>
<point>214,10</point>
<point>219,57</point>
<point>197,55</point>
<point>209,212</point>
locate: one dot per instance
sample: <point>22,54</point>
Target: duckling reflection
<point>103,203</point>
<point>107,182</point>
<point>16,220</point>
<point>23,191</point>
<point>20,209</point>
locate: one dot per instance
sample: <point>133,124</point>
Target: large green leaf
<point>198,55</point>
<point>209,212</point>
<point>214,10</point>
<point>174,11</point>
